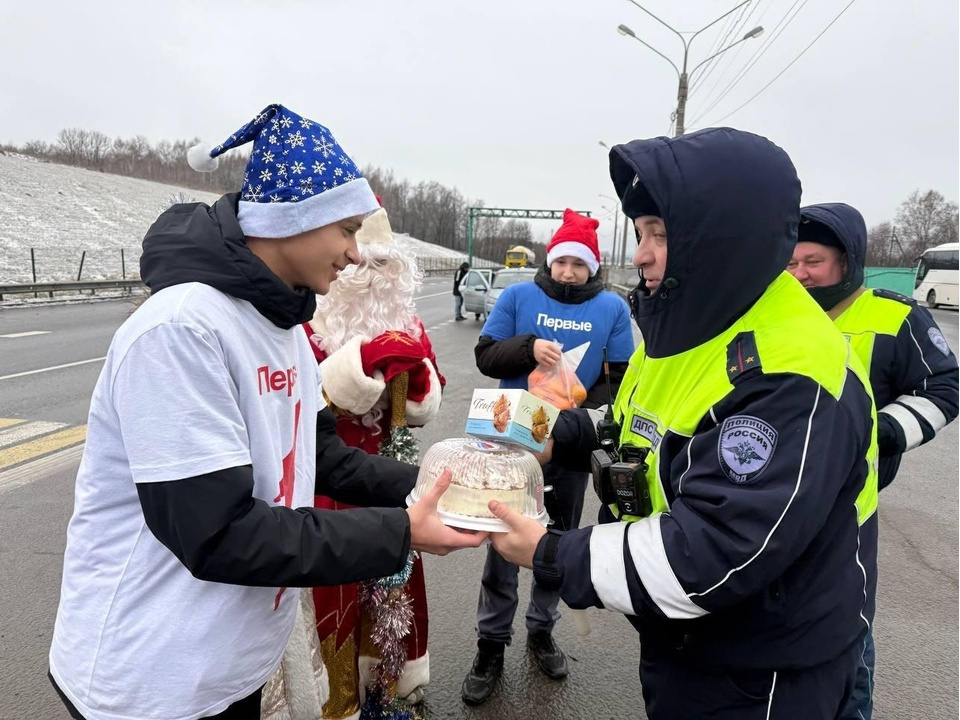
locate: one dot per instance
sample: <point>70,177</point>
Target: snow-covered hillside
<point>62,211</point>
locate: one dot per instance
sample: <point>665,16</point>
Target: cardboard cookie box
<point>511,416</point>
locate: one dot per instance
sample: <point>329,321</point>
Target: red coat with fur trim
<point>355,377</point>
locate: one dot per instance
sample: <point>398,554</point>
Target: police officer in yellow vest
<point>741,538</point>
<point>912,371</point>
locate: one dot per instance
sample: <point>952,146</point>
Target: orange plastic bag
<point>557,385</point>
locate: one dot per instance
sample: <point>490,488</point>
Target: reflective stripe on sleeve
<point>926,409</point>
<point>649,556</point>
<point>608,572</point>
<point>912,432</point>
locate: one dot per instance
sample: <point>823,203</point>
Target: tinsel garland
<point>401,445</point>
<point>386,600</point>
<point>389,606</point>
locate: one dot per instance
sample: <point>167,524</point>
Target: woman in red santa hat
<point>370,344</point>
<point>532,324</point>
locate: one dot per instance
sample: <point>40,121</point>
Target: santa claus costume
<point>379,373</point>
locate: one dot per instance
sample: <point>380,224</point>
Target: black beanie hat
<point>816,232</point>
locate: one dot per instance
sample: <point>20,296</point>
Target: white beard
<point>369,299</point>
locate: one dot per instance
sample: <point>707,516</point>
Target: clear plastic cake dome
<point>482,471</point>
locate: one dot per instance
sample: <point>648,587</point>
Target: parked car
<point>474,288</point>
<point>504,279</point>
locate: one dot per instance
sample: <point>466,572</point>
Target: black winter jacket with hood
<point>212,522</point>
<point>773,574</point>
<point>913,373</point>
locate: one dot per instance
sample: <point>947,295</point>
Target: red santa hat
<point>577,237</point>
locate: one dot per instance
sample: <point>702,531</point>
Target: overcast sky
<point>506,100</point>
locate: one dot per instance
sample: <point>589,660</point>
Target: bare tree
<point>70,145</point>
<point>883,247</point>
<point>924,220</point>
<point>438,214</point>
<point>83,148</point>
<point>96,149</point>
<point>37,148</point>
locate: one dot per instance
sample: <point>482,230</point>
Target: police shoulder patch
<point>745,448</point>
<point>939,342</point>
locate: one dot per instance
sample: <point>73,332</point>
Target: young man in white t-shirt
<point>206,439</point>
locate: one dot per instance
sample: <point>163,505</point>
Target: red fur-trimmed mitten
<point>347,383</point>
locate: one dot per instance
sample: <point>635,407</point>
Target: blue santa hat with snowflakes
<point>297,179</point>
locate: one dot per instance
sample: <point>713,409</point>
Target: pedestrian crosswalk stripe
<point>42,446</point>
<point>8,422</point>
<point>26,431</point>
<point>27,473</point>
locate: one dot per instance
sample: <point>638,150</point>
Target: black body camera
<point>629,481</point>
<point>620,477</point>
<point>619,474</point>
<point>600,463</point>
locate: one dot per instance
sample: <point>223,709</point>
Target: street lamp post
<point>622,262</point>
<point>616,218</point>
<point>682,74</point>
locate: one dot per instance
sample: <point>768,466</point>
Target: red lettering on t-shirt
<point>288,479</point>
<point>289,464</point>
<point>275,380</point>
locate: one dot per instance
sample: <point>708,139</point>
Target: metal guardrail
<point>443,266</point>
<point>74,287</point>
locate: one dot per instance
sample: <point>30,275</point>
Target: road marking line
<point>29,333</point>
<point>424,297</point>
<point>439,325</point>
<point>26,431</point>
<point>7,422</point>
<point>43,446</point>
<point>55,367</point>
<point>28,473</point>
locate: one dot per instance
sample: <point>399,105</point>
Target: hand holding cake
<point>520,542</point>
<point>427,531</point>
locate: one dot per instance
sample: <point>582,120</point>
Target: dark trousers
<point>498,600</point>
<point>246,709</point>
<point>676,690</point>
<point>860,706</point>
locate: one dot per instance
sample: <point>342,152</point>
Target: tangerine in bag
<point>557,385</point>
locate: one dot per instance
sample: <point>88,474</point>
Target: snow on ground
<point>62,211</point>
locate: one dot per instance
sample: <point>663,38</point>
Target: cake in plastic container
<point>482,471</point>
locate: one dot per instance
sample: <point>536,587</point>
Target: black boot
<point>550,658</point>
<point>483,676</point>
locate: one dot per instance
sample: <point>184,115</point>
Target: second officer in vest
<point>740,455</point>
<point>912,372</point>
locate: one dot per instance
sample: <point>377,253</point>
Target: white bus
<point>937,276</point>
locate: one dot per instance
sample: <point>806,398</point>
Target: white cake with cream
<point>482,471</point>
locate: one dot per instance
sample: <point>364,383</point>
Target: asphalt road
<point>917,620</point>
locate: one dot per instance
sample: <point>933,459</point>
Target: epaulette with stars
<point>743,360</point>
